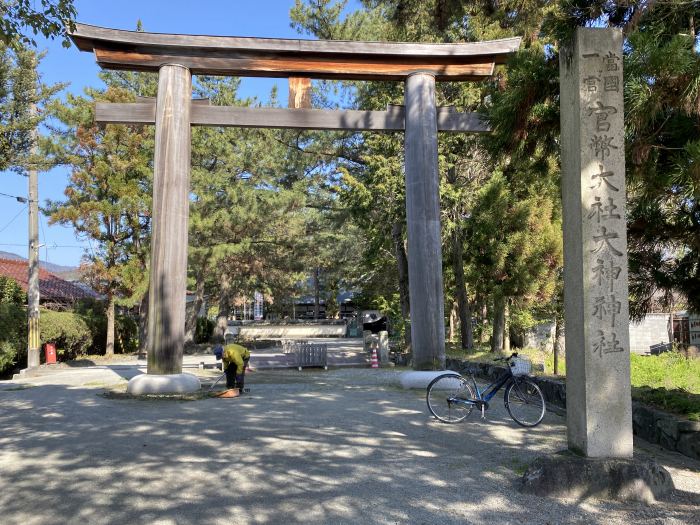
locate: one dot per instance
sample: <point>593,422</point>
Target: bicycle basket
<point>520,366</point>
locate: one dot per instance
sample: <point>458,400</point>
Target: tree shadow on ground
<point>326,450</point>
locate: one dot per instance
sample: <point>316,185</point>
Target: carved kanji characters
<point>603,178</point>
<point>601,113</point>
<point>603,241</point>
<point>591,83</point>
<point>603,212</point>
<point>606,306</point>
<point>606,274</point>
<point>602,346</point>
<point>611,83</point>
<point>601,145</point>
<point>610,62</point>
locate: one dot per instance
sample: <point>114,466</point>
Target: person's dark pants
<point>234,380</point>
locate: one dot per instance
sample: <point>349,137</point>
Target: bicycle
<point>451,398</point>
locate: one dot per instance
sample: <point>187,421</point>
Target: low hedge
<point>13,336</point>
<point>74,333</point>
<point>69,331</point>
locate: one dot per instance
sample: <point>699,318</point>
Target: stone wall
<point>656,426</point>
<point>652,330</point>
<point>540,336</point>
<point>668,431</point>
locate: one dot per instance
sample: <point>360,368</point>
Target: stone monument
<point>599,404</point>
<point>599,462</point>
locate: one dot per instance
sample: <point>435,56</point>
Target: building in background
<point>55,293</point>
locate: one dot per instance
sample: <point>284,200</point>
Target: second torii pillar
<point>423,220</point>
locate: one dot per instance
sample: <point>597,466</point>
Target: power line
<point>43,234</point>
<point>13,219</point>
<point>49,247</point>
<point>23,200</point>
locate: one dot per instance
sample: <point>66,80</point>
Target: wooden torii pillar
<point>177,57</point>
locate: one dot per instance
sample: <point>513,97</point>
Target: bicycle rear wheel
<point>524,402</point>
<point>446,397</point>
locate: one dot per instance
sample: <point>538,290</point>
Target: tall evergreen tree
<point>23,100</point>
<point>108,196</point>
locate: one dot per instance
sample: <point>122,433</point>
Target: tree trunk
<point>143,325</point>
<point>499,321</point>
<point>454,319</point>
<point>195,307</point>
<point>558,342</point>
<point>465,315</point>
<point>109,346</point>
<point>506,328</point>
<point>224,306</point>
<point>483,321</point>
<point>317,293</point>
<point>402,267</point>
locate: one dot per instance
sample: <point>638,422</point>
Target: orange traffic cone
<point>375,359</point>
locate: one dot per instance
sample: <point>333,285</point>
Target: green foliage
<point>127,335</point>
<point>94,315</point>
<point>673,400</point>
<point>11,292</point>
<point>68,330</point>
<point>13,336</point>
<point>662,115</point>
<point>204,330</point>
<point>515,246</point>
<point>75,333</point>
<point>669,370</point>
<point>21,92</point>
<point>108,199</point>
<point>662,110</point>
<point>50,19</point>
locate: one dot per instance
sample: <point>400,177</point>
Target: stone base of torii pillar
<point>163,384</point>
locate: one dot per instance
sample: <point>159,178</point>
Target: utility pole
<point>33,341</point>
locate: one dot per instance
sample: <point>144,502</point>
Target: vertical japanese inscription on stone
<point>602,130</point>
<point>599,409</point>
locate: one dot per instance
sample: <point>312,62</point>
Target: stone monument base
<point>163,384</point>
<point>568,476</point>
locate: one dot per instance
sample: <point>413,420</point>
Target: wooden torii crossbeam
<point>393,119</point>
<point>177,57</point>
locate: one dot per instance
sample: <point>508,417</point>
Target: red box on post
<point>50,353</point>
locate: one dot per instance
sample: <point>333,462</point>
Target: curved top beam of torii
<point>273,57</point>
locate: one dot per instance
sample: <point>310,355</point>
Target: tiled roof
<point>51,287</point>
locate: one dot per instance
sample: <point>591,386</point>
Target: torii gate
<point>177,57</point>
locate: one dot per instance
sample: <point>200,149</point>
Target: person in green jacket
<point>235,359</point>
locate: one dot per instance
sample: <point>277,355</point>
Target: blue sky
<point>261,18</point>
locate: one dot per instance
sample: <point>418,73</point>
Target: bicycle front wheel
<point>524,402</point>
<point>448,397</point>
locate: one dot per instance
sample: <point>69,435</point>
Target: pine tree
<point>23,98</point>
<point>108,197</point>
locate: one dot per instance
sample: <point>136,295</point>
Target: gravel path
<point>313,447</point>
